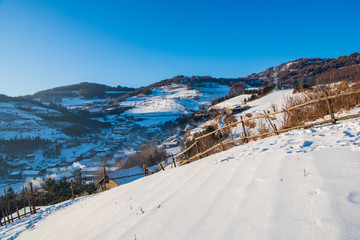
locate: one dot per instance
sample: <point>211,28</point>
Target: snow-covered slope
<point>275,98</point>
<point>299,185</point>
<point>19,120</point>
<point>167,103</point>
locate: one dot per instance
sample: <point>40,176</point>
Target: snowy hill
<point>300,185</point>
<point>170,102</point>
<point>93,128</point>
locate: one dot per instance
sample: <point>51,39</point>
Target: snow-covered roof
<point>30,173</point>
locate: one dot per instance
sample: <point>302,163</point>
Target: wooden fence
<point>16,206</point>
<point>12,207</point>
<point>105,179</point>
<point>193,152</point>
<point>9,208</point>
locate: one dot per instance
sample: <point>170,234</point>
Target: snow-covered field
<point>300,185</point>
<point>276,98</point>
<point>170,102</point>
<point>18,123</point>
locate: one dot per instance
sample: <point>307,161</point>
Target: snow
<point>276,98</point>
<point>170,102</point>
<point>232,102</point>
<point>300,185</point>
<point>16,123</point>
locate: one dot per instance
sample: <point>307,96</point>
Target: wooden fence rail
<point>10,207</point>
<point>245,138</point>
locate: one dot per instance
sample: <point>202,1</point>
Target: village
<point>88,163</point>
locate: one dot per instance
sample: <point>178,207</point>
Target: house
<point>91,173</point>
<point>117,178</point>
<point>106,183</point>
<point>170,144</point>
<point>30,174</point>
<point>15,175</point>
<point>18,164</point>
<point>30,156</point>
<point>238,109</point>
<point>63,164</point>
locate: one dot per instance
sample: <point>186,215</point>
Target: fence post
<point>244,130</point>
<point>8,208</point>
<point>173,161</point>
<point>17,209</point>
<point>331,110</point>
<point>276,129</point>
<point>32,198</point>
<point>271,124</point>
<point>29,202</point>
<point>162,167</point>
<point>23,193</point>
<point>72,189</point>
<point>104,177</point>
<point>4,213</point>
<point>24,206</point>
<point>144,167</point>
<point>197,147</point>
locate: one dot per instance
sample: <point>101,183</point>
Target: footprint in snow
<point>348,134</point>
<point>307,144</point>
<point>354,197</point>
<point>227,159</point>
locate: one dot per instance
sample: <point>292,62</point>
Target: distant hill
<point>88,90</point>
<point>191,82</point>
<point>297,73</point>
<point>311,71</point>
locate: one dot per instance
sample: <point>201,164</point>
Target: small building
<point>238,109</point>
<point>117,178</point>
<point>30,156</point>
<point>170,144</point>
<point>15,175</point>
<point>63,164</point>
<point>18,164</point>
<point>30,174</point>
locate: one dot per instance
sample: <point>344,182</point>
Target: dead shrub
<point>250,124</point>
<point>248,115</point>
<point>312,112</point>
<point>203,143</point>
<point>262,129</point>
<point>273,107</point>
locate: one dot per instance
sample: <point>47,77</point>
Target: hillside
<point>93,124</point>
<point>90,131</point>
<point>311,71</point>
<point>298,185</point>
<point>84,89</point>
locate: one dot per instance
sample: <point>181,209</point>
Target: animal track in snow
<point>354,197</point>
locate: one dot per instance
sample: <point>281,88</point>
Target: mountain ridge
<point>295,73</point>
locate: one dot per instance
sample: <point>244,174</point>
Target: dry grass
<point>263,128</point>
<point>293,118</point>
<point>248,115</point>
<point>273,107</point>
<point>250,124</point>
<point>309,113</point>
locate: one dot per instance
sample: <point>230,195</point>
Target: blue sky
<point>44,44</point>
